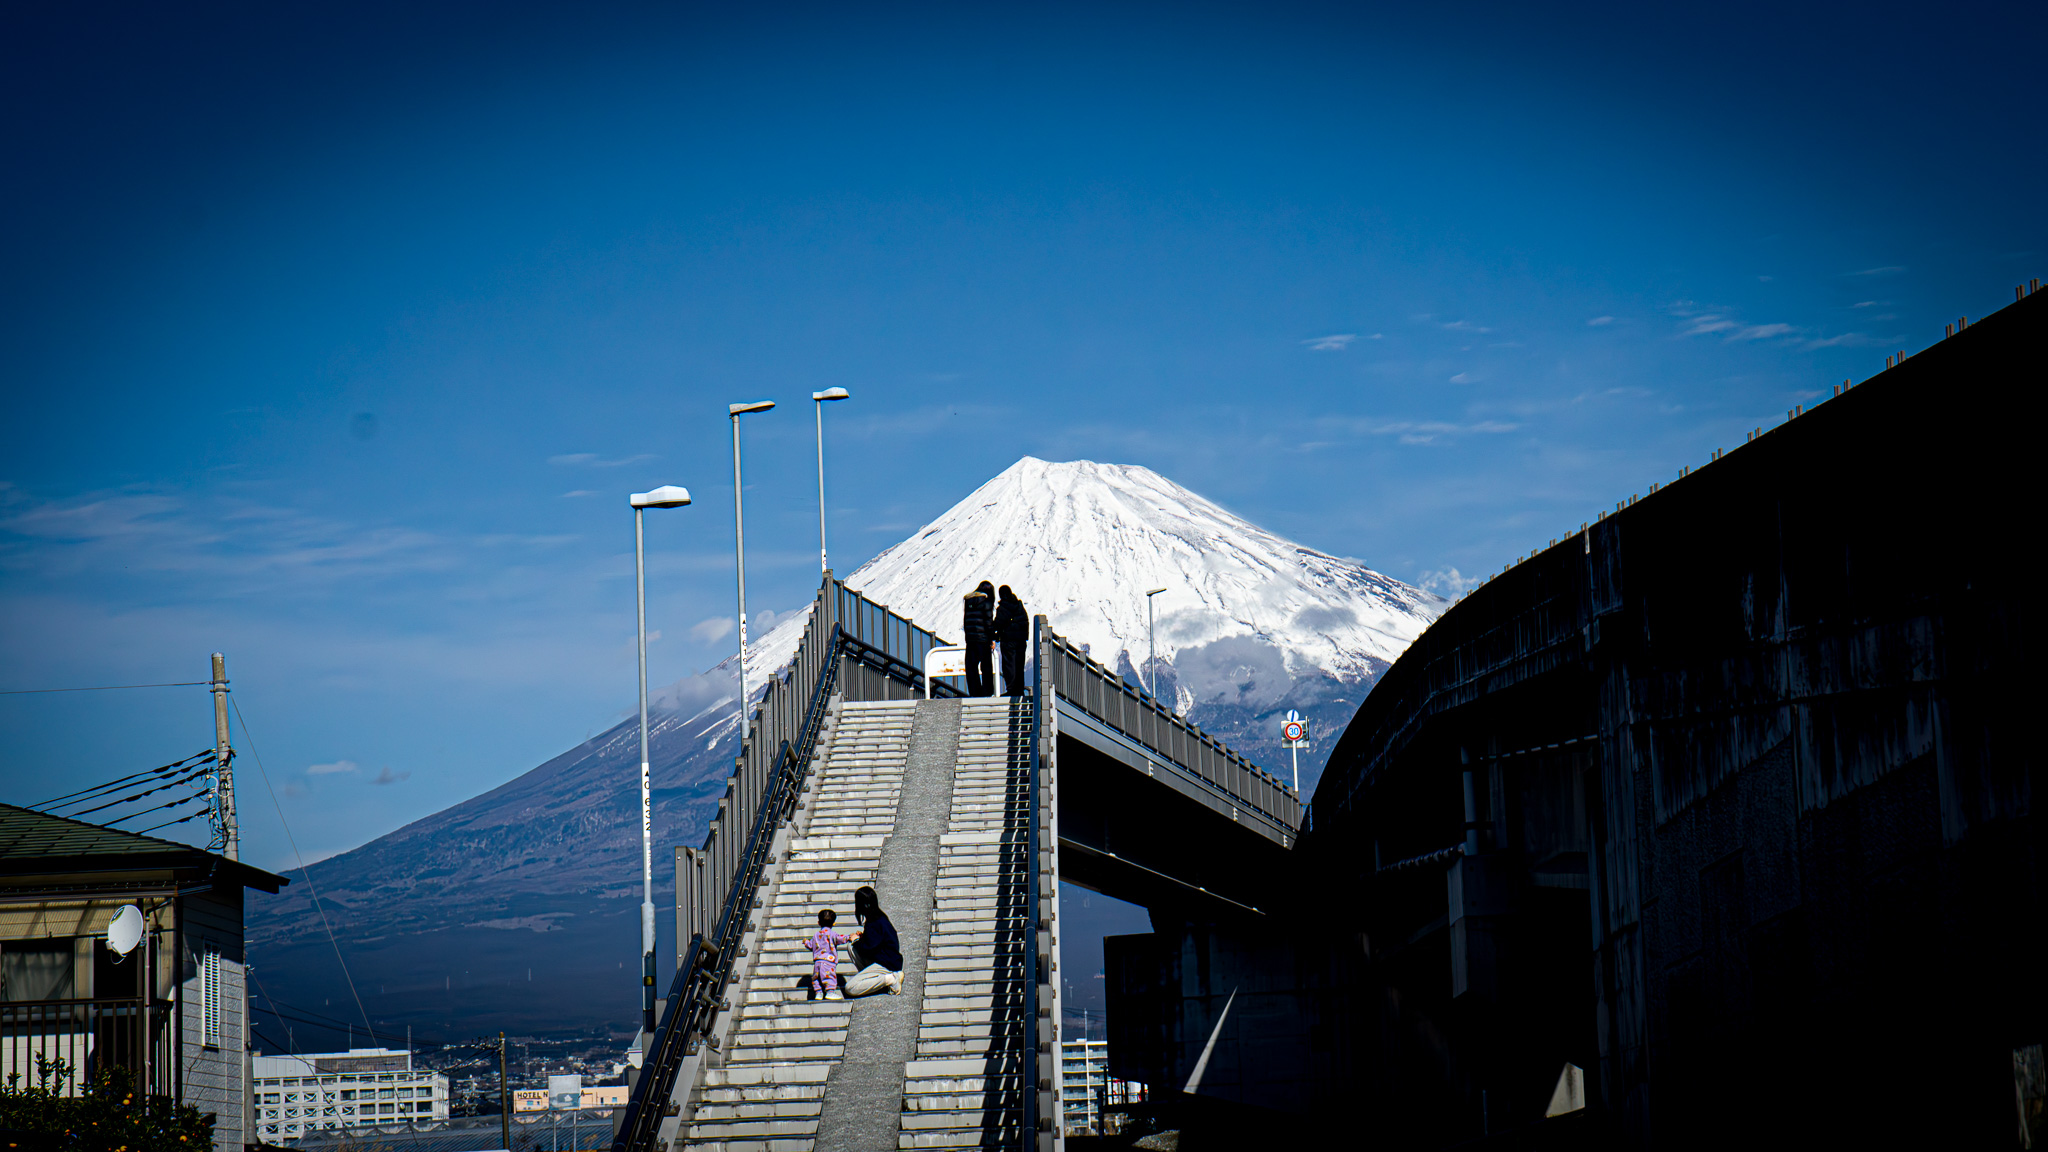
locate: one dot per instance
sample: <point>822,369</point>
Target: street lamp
<point>1152,641</point>
<point>666,496</point>
<point>739,535</point>
<point>824,565</point>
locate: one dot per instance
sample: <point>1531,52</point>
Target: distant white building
<point>362,1087</point>
<point>1084,1082</point>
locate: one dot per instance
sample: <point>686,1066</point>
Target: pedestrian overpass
<point>966,815</point>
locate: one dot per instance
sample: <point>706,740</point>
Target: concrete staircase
<point>766,1092</point>
<point>962,1086</point>
<point>961,1089</point>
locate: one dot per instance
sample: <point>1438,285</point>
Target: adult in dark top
<point>1013,632</point>
<point>977,625</point>
<point>878,952</point>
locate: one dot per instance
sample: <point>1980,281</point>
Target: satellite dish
<point>126,930</point>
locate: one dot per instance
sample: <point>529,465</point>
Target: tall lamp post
<point>1152,641</point>
<point>739,537</point>
<point>666,496</point>
<point>824,565</point>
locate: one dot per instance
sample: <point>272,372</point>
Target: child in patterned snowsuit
<point>824,945</point>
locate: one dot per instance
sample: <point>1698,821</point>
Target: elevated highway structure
<point>1731,801</point>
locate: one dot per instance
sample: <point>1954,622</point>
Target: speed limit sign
<point>1294,731</point>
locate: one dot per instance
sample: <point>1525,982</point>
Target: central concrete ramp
<point>925,800</point>
<point>864,1094</point>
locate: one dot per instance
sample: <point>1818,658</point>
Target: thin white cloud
<point>578,492</point>
<point>1599,321</point>
<point>330,769</point>
<point>1336,343</point>
<point>1731,330</point>
<point>1465,326</point>
<point>593,460</point>
<point>1423,431</point>
<point>1845,340</point>
<point>1448,582</point>
<point>713,630</point>
<point>1885,270</point>
<point>1464,378</point>
<point>387,776</point>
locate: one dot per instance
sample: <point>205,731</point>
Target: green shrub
<point>108,1116</point>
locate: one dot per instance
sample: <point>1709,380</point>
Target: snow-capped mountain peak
<point>1082,542</point>
<point>1250,623</point>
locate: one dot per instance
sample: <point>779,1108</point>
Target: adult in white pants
<point>878,952</point>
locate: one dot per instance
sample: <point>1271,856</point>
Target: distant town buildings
<point>362,1087</point>
<point>1086,1085</point>
<point>171,1007</point>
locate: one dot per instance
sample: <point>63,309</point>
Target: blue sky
<point>335,339</point>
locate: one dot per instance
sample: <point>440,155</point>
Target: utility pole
<point>223,766</point>
<point>504,1098</point>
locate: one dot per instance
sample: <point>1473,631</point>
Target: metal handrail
<point>1032,1064</point>
<point>894,666</point>
<point>691,1011</point>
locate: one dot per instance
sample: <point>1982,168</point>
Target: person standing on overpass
<point>978,626</point>
<point>1013,632</point>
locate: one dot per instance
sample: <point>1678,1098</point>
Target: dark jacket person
<point>878,952</point>
<point>1013,632</point>
<point>977,623</point>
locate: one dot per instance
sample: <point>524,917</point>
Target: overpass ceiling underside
<point>1137,827</point>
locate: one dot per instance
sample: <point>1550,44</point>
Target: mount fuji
<point>1251,624</point>
<point>536,880</point>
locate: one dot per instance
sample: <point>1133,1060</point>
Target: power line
<point>168,823</point>
<point>195,798</point>
<point>303,873</point>
<point>104,688</point>
<point>310,1016</point>
<point>185,779</point>
<point>292,1040</point>
<point>83,793</point>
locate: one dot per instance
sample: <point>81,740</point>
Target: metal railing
<point>1043,1061</point>
<point>851,645</point>
<point>86,1035</point>
<point>1084,683</point>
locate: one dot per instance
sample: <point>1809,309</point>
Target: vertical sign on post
<point>1294,732</point>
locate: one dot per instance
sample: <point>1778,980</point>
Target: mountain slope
<point>518,908</point>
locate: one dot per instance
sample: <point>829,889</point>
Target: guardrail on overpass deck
<point>1140,728</point>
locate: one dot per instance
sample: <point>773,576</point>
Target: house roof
<point>37,844</point>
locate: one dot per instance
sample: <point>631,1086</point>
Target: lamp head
<point>666,496</point>
<point>756,406</point>
<point>1155,592</point>
<point>831,394</point>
